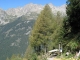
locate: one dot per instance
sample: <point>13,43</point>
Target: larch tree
<point>40,35</point>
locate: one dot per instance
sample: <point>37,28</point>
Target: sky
<point>6,4</point>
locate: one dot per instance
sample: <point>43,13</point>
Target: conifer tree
<point>73,13</point>
<point>72,24</point>
<point>40,35</point>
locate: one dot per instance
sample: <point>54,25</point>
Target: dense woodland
<point>50,30</point>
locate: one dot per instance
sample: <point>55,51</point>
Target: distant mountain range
<point>29,9</point>
<point>15,27</point>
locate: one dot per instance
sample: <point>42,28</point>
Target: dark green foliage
<point>32,56</point>
<point>72,25</point>
<point>57,34</point>
<point>73,13</point>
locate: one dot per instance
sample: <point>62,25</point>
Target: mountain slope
<point>14,37</point>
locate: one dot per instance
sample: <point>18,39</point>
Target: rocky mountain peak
<point>30,10</point>
<point>23,10</point>
<point>33,8</point>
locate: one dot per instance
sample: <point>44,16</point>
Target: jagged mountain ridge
<point>27,9</point>
<point>6,16</point>
<point>34,8</point>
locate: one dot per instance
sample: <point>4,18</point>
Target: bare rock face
<point>26,9</point>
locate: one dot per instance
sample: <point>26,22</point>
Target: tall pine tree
<point>73,13</point>
<point>40,35</point>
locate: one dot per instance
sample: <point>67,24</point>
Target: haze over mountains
<point>15,27</point>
